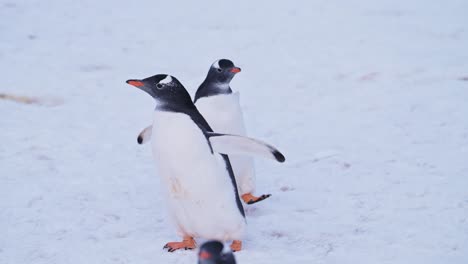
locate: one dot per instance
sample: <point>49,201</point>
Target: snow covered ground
<point>367,99</point>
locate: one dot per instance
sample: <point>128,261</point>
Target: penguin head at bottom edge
<point>211,252</point>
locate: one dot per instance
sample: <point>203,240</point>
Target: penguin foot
<point>187,243</point>
<point>251,199</point>
<point>236,245</point>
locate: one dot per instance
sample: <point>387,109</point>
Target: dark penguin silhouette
<point>211,252</point>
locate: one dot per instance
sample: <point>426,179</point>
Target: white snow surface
<point>366,99</point>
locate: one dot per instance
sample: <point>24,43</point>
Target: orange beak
<point>136,83</point>
<point>235,69</point>
<point>204,255</point>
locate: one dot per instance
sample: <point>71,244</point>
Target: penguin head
<point>211,252</point>
<point>222,71</point>
<point>165,89</point>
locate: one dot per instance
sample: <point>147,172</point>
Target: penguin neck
<point>209,88</point>
<point>178,106</point>
<point>187,109</point>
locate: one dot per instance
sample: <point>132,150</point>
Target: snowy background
<point>367,100</point>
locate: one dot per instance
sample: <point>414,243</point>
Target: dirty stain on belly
<point>177,190</point>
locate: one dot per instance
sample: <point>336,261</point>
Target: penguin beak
<point>136,83</point>
<point>204,255</point>
<point>235,69</point>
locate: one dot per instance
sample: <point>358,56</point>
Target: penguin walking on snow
<point>195,170</point>
<point>221,108</point>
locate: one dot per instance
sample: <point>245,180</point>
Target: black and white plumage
<point>198,181</point>
<point>217,80</point>
<point>221,108</point>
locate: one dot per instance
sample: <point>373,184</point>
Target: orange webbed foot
<point>248,198</point>
<point>187,243</point>
<point>236,245</point>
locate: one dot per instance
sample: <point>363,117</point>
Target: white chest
<point>223,113</point>
<point>199,191</point>
<point>179,146</point>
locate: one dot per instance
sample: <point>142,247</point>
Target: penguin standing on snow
<point>195,170</point>
<point>221,108</point>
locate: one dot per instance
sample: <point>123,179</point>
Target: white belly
<point>198,188</point>
<point>224,114</point>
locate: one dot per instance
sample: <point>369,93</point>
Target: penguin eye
<point>159,86</point>
<point>219,69</point>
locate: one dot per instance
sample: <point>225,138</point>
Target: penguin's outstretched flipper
<point>239,145</point>
<point>145,135</point>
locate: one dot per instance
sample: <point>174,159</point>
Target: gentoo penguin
<point>211,252</point>
<point>195,170</point>
<point>221,108</point>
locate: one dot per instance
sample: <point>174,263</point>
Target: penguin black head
<point>211,252</point>
<point>165,89</point>
<point>222,71</point>
<point>217,81</point>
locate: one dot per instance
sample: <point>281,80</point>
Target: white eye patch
<point>166,80</point>
<point>216,64</point>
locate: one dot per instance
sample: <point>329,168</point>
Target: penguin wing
<point>145,135</point>
<point>240,145</point>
